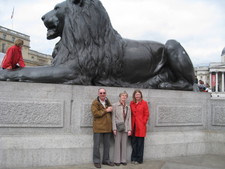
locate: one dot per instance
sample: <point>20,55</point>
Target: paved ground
<point>191,162</point>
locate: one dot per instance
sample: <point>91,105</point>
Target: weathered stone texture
<point>23,113</point>
<point>218,112</point>
<point>52,125</point>
<point>179,115</point>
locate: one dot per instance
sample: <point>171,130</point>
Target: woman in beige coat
<point>121,113</point>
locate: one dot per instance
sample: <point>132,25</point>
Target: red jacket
<point>12,57</point>
<point>140,115</point>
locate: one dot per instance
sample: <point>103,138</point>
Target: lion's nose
<point>43,17</point>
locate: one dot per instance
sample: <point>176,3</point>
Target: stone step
<point>169,165</point>
<point>188,162</point>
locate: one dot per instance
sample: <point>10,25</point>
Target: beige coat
<point>102,120</point>
<point>117,116</point>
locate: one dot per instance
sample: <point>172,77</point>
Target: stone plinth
<point>51,124</point>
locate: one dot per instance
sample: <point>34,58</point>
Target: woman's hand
<point>114,132</point>
<point>129,133</point>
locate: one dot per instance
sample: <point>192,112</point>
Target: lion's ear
<point>77,2</point>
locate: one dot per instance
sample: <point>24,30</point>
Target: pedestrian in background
<point>13,58</point>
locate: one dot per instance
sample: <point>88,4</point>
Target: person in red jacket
<point>139,115</point>
<point>14,56</point>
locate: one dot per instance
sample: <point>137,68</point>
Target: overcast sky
<point>199,25</point>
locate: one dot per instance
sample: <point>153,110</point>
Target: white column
<point>222,81</point>
<point>216,81</point>
<point>210,79</point>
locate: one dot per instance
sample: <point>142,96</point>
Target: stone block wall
<point>51,124</point>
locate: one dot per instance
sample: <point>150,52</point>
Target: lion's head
<point>88,40</point>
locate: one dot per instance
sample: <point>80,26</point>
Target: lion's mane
<point>89,41</point>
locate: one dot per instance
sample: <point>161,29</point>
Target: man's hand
<point>109,109</point>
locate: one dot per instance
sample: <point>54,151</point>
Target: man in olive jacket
<point>102,127</point>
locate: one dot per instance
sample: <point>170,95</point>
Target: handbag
<point>120,126</point>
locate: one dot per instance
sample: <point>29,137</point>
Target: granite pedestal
<point>51,124</point>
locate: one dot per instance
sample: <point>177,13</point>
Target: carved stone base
<point>51,124</point>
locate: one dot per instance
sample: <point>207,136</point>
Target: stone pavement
<point>191,162</point>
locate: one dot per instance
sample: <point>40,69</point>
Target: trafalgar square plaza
<point>45,111</point>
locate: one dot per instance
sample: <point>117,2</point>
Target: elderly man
<point>102,127</point>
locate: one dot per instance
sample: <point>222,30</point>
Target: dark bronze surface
<point>91,52</point>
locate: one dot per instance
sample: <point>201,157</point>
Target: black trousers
<point>105,137</point>
<point>137,144</point>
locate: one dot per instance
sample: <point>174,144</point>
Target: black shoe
<point>117,164</point>
<point>97,165</point>
<point>124,163</point>
<point>108,163</point>
<point>136,162</point>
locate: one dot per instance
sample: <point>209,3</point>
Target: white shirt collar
<point>102,102</point>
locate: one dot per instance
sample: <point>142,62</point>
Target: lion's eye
<point>56,8</point>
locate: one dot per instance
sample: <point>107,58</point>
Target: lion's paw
<point>165,85</point>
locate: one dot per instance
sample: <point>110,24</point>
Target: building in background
<point>202,73</point>
<point>31,57</point>
<point>1,56</point>
<point>214,76</point>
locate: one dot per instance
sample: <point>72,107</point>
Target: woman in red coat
<point>140,115</point>
<point>14,56</point>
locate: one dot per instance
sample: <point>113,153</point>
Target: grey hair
<point>124,92</point>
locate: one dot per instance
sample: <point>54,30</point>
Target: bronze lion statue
<point>91,52</point>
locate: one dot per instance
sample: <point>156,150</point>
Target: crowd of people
<point>204,87</point>
<point>123,120</point>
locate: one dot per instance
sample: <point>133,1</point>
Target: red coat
<point>12,57</point>
<point>140,115</point>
